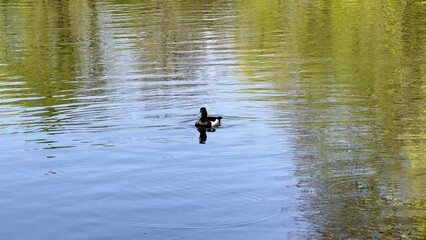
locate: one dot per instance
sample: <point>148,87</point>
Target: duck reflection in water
<point>203,134</point>
<point>206,124</point>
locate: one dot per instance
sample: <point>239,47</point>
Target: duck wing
<point>213,118</point>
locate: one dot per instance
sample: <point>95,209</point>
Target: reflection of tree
<point>51,54</point>
<point>174,42</point>
<point>350,76</point>
<point>413,57</point>
<point>69,54</point>
<point>47,54</point>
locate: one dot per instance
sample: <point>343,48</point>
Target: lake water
<point>323,133</point>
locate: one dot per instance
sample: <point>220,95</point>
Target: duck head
<point>203,114</point>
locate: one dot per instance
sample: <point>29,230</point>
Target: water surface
<point>324,106</point>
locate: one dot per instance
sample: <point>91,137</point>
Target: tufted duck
<point>207,121</point>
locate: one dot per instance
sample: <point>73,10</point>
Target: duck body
<point>206,121</point>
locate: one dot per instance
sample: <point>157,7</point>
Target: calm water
<point>323,136</point>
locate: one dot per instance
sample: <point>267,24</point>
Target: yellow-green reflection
<point>350,77</point>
